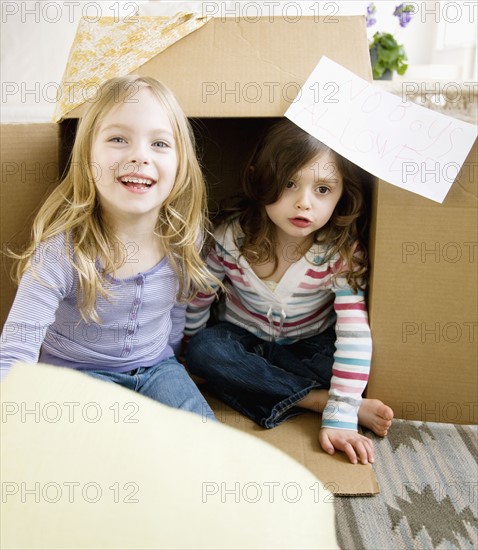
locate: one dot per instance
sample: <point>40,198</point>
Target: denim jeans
<point>167,382</point>
<point>263,380</point>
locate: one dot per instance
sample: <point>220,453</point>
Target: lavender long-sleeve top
<point>141,324</point>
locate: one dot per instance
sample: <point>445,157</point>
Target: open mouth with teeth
<point>136,184</point>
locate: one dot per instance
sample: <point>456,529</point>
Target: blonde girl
<point>114,254</point>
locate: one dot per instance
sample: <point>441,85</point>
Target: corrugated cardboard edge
<point>298,437</point>
<point>109,48</point>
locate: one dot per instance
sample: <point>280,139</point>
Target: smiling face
<point>134,158</point>
<point>308,200</point>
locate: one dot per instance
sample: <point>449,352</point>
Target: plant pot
<point>388,74</point>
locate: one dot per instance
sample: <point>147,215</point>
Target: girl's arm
<point>349,377</point>
<point>36,302</point>
<point>178,318</point>
<point>351,360</point>
<point>198,311</point>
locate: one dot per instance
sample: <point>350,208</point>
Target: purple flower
<point>369,18</point>
<point>404,12</point>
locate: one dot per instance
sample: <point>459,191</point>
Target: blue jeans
<point>167,382</point>
<point>262,380</point>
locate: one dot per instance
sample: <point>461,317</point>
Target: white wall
<point>431,57</point>
<point>36,37</point>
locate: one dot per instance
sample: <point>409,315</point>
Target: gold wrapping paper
<point>110,47</point>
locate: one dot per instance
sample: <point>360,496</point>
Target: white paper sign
<point>400,142</point>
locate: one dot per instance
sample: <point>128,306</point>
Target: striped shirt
<point>307,300</point>
<point>140,325</point>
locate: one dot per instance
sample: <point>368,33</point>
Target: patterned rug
<point>428,477</point>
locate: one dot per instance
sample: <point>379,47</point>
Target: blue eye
<point>117,139</point>
<point>160,144</point>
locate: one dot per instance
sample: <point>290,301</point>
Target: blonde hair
<point>73,207</point>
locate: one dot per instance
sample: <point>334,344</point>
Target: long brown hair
<point>281,153</point>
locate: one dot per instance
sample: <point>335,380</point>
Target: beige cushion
<point>88,464</point>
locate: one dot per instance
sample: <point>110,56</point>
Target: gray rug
<point>428,476</point>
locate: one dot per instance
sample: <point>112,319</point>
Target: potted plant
<point>386,54</point>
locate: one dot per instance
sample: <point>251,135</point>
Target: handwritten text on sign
<point>400,142</point>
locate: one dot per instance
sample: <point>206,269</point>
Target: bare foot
<point>376,416</point>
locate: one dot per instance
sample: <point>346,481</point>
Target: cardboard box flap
<point>423,302</point>
<point>298,437</point>
<point>110,47</point>
<point>233,67</point>
<point>30,170</point>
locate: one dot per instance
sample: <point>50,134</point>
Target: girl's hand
<point>353,444</point>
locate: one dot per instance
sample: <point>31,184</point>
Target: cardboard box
<point>241,68</point>
<point>215,72</point>
<point>30,170</point>
<point>424,301</point>
<point>224,64</point>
